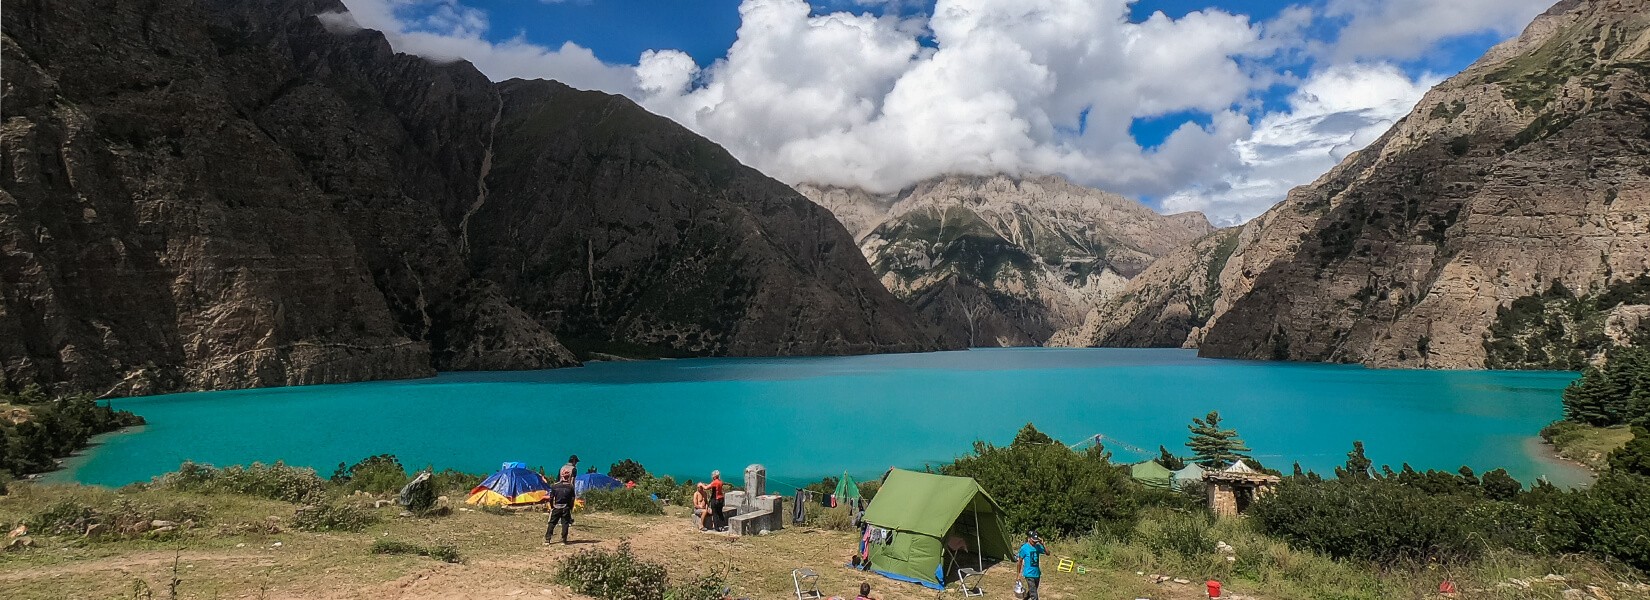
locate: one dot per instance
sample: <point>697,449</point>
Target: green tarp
<point>925,511</point>
<point>846,488</point>
<point>1152,474</point>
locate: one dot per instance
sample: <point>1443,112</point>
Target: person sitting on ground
<point>864,592</point>
<point>701,509</point>
<point>561,507</point>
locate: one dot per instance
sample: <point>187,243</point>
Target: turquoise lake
<point>808,417</point>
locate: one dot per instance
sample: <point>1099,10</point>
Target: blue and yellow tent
<point>594,481</point>
<point>514,484</point>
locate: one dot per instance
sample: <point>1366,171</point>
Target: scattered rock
<point>275,545</point>
<point>405,513</point>
<point>1182,580</point>
<point>1599,593</point>
<point>96,530</point>
<point>1574,594</point>
<point>382,503</point>
<point>157,524</point>
<point>138,528</point>
<point>23,530</point>
<point>1553,578</point>
<point>20,542</point>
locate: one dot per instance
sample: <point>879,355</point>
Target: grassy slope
<point>227,557</point>
<point>1586,444</point>
<point>502,554</point>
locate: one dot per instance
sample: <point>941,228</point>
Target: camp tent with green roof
<point>1151,474</point>
<point>934,525</point>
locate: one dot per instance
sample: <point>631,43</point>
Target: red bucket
<point>1214,589</point>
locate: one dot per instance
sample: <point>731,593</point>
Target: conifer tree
<point>1357,465</point>
<point>1212,446</point>
<point>1169,461</point>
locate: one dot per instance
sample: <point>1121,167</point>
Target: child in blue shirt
<point>1030,556</point>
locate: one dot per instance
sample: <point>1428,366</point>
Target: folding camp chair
<point>806,577</point>
<point>969,581</point>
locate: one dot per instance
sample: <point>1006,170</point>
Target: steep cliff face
<point>235,193</point>
<point>1163,305</point>
<point>1000,261</point>
<point>1529,169</point>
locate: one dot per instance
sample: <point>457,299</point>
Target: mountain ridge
<point>1005,260</point>
<point>230,193</point>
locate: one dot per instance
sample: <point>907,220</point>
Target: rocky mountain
<point>1503,223</point>
<point>231,193</point>
<point>1004,261</point>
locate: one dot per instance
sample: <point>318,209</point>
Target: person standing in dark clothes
<point>561,507</point>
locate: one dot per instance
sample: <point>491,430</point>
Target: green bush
<point>709,586</point>
<point>627,470</point>
<point>1611,518</point>
<point>275,482</point>
<point>613,575</point>
<point>1050,487</point>
<point>333,517</point>
<point>1634,457</point>
<point>834,519</point>
<point>381,474</point>
<point>623,501</point>
<point>65,517</point>
<point>451,481</point>
<point>1373,520</point>
<point>441,552</point>
<point>1185,536</point>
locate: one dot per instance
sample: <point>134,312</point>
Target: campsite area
<point>246,551</point>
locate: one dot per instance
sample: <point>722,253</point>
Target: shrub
<point>627,470</point>
<point>868,489</point>
<point>834,519</point>
<point>441,552</point>
<point>1612,518</point>
<point>381,474</point>
<point>65,517</point>
<point>1634,457</point>
<point>1498,485</point>
<point>613,575</point>
<point>1185,535</point>
<point>710,586</point>
<point>449,480</point>
<point>333,517</point>
<point>667,489</point>
<point>275,482</point>
<point>1373,520</point>
<point>622,501</point>
<point>1051,487</point>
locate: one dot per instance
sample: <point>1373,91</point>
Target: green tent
<point>846,489</point>
<point>1151,474</point>
<point>933,526</point>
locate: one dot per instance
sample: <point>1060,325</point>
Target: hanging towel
<point>798,515</point>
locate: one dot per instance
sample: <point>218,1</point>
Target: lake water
<point>809,417</point>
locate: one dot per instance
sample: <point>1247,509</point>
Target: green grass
<point>1586,444</point>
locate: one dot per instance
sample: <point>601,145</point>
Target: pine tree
<point>1169,461</point>
<point>1357,465</point>
<point>1030,435</point>
<point>1212,446</point>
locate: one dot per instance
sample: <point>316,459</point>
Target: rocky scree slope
<point>1005,261</point>
<point>1523,180</point>
<point>235,193</point>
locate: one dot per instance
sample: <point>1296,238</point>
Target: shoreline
<point>1545,452</point>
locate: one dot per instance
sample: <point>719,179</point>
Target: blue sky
<point>1216,105</point>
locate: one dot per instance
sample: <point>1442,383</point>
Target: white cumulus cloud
<point>1404,29</point>
<point>810,93</point>
<point>1334,113</point>
<point>445,30</point>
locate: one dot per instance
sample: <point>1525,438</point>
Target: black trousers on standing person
<point>559,515</point>
<point>718,519</point>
